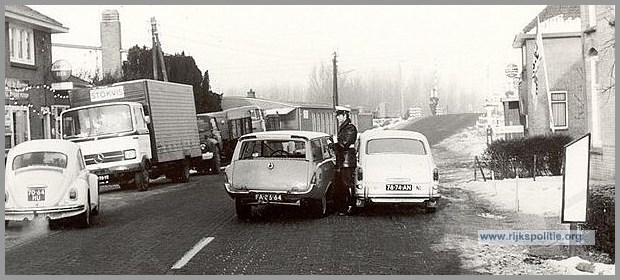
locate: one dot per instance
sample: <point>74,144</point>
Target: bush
<point>507,157</point>
<point>601,217</point>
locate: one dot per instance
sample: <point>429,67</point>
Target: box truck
<point>135,130</point>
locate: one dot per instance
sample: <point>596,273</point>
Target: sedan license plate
<point>36,194</point>
<point>398,187</point>
<point>104,179</point>
<point>267,197</point>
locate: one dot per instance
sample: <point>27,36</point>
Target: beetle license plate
<point>36,194</point>
<point>398,187</point>
<point>267,197</point>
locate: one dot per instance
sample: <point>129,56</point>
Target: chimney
<point>111,59</point>
<point>251,94</point>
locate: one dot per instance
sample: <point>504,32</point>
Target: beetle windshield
<point>273,149</point>
<point>395,146</point>
<point>54,159</point>
<point>96,121</point>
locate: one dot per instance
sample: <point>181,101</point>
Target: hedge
<point>507,157</point>
<point>601,217</point>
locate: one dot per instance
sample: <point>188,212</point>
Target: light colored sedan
<point>281,167</point>
<point>48,179</point>
<point>396,166</point>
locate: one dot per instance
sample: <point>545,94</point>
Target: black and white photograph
<point>309,139</point>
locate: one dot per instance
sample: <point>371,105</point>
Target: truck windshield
<point>97,121</point>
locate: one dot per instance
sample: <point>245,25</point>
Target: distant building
<point>562,65</point>
<point>30,101</point>
<point>298,116</point>
<point>598,27</point>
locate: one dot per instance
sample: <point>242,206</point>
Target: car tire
<point>217,162</point>
<point>95,210</point>
<point>320,207</point>
<point>54,224</point>
<point>243,210</point>
<point>428,208</point>
<point>84,218</point>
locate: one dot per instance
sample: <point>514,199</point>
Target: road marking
<point>191,253</point>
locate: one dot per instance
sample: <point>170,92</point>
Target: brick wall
<point>600,39</point>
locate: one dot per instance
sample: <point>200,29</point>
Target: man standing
<point>346,161</point>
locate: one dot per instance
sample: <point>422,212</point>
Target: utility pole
<point>400,88</point>
<point>157,52</point>
<point>154,48</point>
<point>335,93</point>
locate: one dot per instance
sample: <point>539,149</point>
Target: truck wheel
<point>217,162</point>
<point>141,180</point>
<point>243,210</point>
<point>184,173</point>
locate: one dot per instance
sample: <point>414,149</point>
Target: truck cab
<point>115,140</point>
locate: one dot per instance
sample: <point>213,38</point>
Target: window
<point>559,108</point>
<point>317,150</point>
<point>395,146</point>
<point>591,15</point>
<point>285,149</point>
<point>594,92</point>
<point>21,44</point>
<point>54,159</point>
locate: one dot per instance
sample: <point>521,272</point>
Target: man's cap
<point>342,109</point>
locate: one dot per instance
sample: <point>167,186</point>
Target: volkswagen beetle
<point>48,178</point>
<point>281,167</point>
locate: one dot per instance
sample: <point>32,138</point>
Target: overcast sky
<point>246,46</point>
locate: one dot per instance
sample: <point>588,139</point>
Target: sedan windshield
<point>97,121</point>
<point>395,146</point>
<point>54,159</point>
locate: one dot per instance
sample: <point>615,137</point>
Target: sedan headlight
<point>129,154</point>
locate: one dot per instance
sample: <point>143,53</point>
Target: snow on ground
<point>524,195</point>
<point>542,197</point>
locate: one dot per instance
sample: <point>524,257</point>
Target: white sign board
<point>100,94</point>
<point>576,177</point>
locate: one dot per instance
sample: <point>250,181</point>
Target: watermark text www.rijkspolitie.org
<point>536,237</point>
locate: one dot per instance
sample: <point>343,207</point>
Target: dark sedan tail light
<point>435,174</point>
<point>360,174</point>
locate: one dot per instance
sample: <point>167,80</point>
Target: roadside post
<point>576,164</point>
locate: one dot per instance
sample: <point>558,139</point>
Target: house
<point>30,100</point>
<point>298,116</point>
<point>557,102</point>
<point>598,27</point>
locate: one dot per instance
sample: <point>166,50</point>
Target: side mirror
<point>147,119</point>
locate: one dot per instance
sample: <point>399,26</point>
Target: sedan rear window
<point>54,159</point>
<point>395,146</point>
<point>273,149</point>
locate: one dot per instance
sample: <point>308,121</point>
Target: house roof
<point>26,14</point>
<point>566,11</point>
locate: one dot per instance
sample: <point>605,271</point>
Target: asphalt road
<point>192,229</point>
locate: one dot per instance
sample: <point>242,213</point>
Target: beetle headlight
<point>129,154</point>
